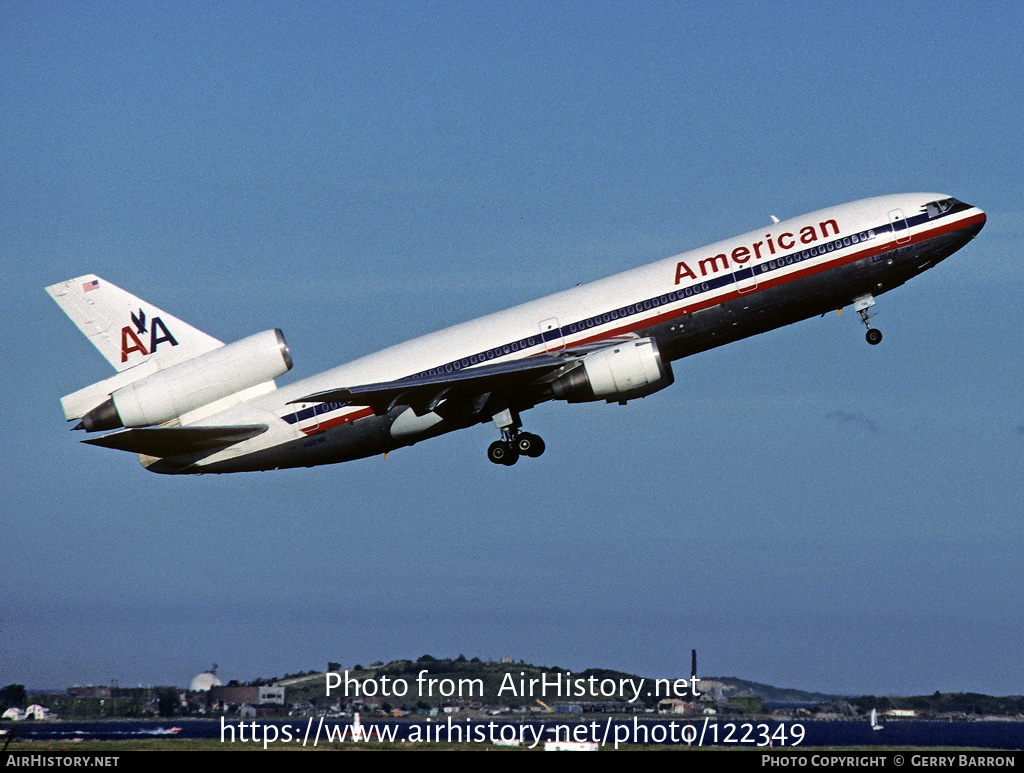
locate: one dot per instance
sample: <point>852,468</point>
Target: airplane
<point>188,404</point>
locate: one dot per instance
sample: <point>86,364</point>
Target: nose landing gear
<point>861,306</point>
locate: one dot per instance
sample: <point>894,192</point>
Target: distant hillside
<point>460,681</point>
<point>525,685</point>
<point>515,684</point>
<point>725,687</point>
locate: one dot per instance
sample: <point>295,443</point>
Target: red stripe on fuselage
<point>877,249</point>
<point>348,418</point>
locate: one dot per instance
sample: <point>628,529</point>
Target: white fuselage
<point>690,302</point>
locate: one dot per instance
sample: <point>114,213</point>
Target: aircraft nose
<point>978,222</point>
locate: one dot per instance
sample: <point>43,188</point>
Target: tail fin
<point>127,330</point>
<point>137,338</point>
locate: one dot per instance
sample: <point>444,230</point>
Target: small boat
<point>358,734</point>
<point>874,720</point>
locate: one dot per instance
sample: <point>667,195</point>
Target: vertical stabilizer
<point>127,330</point>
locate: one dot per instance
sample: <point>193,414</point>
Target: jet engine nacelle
<point>616,374</point>
<point>189,385</point>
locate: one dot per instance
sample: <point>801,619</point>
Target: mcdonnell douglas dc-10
<point>186,403</point>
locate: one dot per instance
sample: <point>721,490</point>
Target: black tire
<point>874,336</point>
<point>497,452</point>
<point>501,452</point>
<point>530,445</point>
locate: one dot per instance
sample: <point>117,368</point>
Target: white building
<point>204,681</point>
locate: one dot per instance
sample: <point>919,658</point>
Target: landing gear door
<point>900,229</point>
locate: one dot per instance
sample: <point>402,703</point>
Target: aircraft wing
<point>423,393</point>
<point>176,441</point>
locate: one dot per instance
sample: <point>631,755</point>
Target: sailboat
<point>874,720</point>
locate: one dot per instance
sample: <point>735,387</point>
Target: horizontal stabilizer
<point>176,441</point>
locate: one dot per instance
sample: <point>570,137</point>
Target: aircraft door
<point>551,334</point>
<point>304,421</point>
<point>900,228</point>
<point>746,278</point>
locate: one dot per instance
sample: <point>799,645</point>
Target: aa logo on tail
<point>131,341</point>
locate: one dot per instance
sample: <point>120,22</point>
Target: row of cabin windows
<point>628,311</point>
<point>813,252</point>
<point>476,359</point>
<point>652,303</point>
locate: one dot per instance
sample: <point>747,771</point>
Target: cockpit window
<point>936,208</point>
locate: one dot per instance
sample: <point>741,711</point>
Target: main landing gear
<point>507,451</point>
<point>513,443</point>
<point>861,306</point>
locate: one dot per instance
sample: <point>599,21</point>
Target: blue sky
<point>802,508</point>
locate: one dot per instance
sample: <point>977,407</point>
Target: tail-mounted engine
<point>616,374</point>
<point>190,385</point>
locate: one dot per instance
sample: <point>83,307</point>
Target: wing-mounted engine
<point>617,373</point>
<point>190,385</point>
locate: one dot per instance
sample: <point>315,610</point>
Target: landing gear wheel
<point>529,444</point>
<point>861,306</point>
<point>501,452</point>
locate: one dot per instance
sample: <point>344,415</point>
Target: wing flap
<point>176,441</point>
<point>423,393</point>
